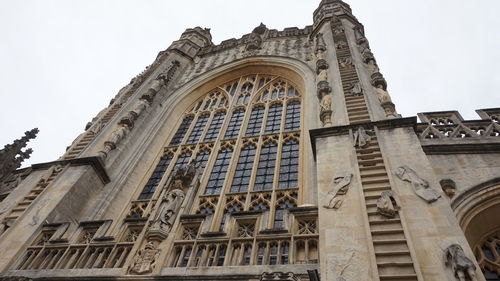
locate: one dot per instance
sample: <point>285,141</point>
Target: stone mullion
<point>255,164</point>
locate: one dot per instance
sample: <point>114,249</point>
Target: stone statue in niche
<point>325,103</point>
<point>389,109</point>
<point>463,268</point>
<point>322,76</point>
<point>167,211</point>
<point>145,260</point>
<point>361,138</point>
<point>355,89</point>
<point>115,138</point>
<point>340,185</point>
<point>386,204</point>
<point>372,67</point>
<point>382,95</point>
<point>420,186</point>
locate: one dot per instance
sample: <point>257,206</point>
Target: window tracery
<point>254,169</point>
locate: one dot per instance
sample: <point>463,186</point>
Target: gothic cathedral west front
<point>276,156</point>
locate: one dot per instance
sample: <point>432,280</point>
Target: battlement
<point>270,34</point>
<point>449,131</point>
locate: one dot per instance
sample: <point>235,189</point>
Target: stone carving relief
<point>463,268</point>
<point>254,40</point>
<point>385,101</point>
<point>448,187</point>
<point>387,205</point>
<point>361,138</point>
<point>346,62</point>
<point>126,123</point>
<point>145,260</point>
<point>339,187</point>
<point>420,186</point>
<point>342,268</point>
<point>166,213</point>
<point>355,89</point>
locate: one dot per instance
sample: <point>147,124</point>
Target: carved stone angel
<point>420,186</point>
<point>340,186</point>
<point>386,204</point>
<point>461,265</point>
<point>361,138</point>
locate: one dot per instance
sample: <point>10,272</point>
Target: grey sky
<point>62,61</point>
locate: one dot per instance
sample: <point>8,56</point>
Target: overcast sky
<point>62,61</point>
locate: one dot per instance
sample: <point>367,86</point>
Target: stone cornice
<point>93,161</point>
<point>469,146</point>
<point>343,130</point>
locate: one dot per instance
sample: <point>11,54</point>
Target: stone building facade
<point>276,156</point>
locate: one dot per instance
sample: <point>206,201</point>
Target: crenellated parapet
<point>445,132</point>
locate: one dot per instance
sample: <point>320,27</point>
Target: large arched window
<point>245,136</point>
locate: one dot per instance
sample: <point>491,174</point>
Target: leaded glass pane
<point>234,126</point>
<point>255,122</point>
<point>289,166</point>
<point>243,171</point>
<point>198,128</point>
<point>219,171</point>
<point>150,187</point>
<point>213,130</point>
<point>274,119</point>
<point>265,168</point>
<point>292,119</point>
<point>179,135</point>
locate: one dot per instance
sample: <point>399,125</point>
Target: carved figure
<point>345,62</point>
<point>361,138</point>
<point>342,45</point>
<point>253,42</point>
<point>386,204</point>
<point>145,260</point>
<point>115,138</point>
<point>340,187</point>
<point>420,186</point>
<point>320,44</point>
<point>325,103</point>
<point>169,206</point>
<point>322,76</point>
<point>448,186</point>
<point>461,265</point>
<point>372,67</point>
<point>383,95</point>
<point>355,89</point>
<point>338,29</point>
<point>389,109</point>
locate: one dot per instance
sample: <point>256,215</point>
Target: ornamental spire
<point>12,155</point>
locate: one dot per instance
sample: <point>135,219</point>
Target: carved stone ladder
<point>392,253</point>
<point>89,136</point>
<point>42,184</point>
<point>356,105</point>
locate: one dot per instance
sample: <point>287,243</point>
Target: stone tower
<point>276,156</point>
